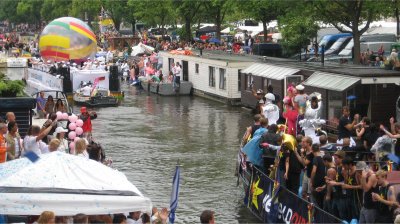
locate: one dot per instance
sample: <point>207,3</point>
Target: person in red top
<point>3,148</point>
<point>87,118</point>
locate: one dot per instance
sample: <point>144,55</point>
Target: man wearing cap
<point>87,118</point>
<point>260,100</point>
<point>300,101</point>
<point>369,185</point>
<point>270,110</point>
<point>60,134</point>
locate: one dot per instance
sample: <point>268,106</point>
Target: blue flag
<point>174,195</point>
<point>33,157</point>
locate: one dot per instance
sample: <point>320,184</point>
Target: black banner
<point>275,204</point>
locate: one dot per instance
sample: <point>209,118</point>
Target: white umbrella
<point>68,185</point>
<point>9,168</point>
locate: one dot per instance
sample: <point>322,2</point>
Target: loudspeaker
<point>67,85</point>
<point>113,72</point>
<point>114,85</point>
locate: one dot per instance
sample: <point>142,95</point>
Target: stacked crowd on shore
<point>348,178</point>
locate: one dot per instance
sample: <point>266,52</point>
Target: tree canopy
<point>297,19</point>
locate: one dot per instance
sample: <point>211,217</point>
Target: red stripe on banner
<point>50,53</point>
<point>83,28</point>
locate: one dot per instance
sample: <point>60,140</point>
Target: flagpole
<point>174,193</point>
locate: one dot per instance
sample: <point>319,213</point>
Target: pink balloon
<point>76,139</point>
<point>72,118</point>
<point>65,116</point>
<point>59,115</point>
<point>72,126</point>
<point>79,123</point>
<point>72,135</point>
<point>79,130</point>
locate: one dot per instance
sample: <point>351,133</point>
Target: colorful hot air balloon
<point>66,39</point>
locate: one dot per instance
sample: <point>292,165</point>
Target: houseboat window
<point>335,107</point>
<point>222,78</point>
<point>211,76</point>
<point>249,81</point>
<point>239,80</point>
<point>196,68</point>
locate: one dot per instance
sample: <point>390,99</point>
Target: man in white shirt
<point>178,71</point>
<point>33,142</point>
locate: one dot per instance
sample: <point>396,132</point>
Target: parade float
<point>63,42</point>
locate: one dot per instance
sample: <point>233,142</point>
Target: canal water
<point>148,134</point>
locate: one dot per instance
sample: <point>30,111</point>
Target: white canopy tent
<point>67,185</point>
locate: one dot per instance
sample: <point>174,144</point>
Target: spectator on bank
<point>346,126</point>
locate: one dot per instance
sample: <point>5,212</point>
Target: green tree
<point>349,17</point>
<point>8,11</point>
<point>156,13</point>
<point>264,11</point>
<point>297,26</point>
<point>129,15</point>
<point>218,9</point>
<point>116,11</point>
<point>53,9</point>
<point>89,8</point>
<point>29,11</point>
<point>187,10</point>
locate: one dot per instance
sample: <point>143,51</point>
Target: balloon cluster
<point>75,127</point>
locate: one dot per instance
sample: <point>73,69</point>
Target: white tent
<point>68,185</point>
<point>141,48</point>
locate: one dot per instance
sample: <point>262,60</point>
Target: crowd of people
<point>347,178</point>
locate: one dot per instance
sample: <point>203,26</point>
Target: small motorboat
<point>97,97</point>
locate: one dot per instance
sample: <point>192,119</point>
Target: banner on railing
<point>275,204</point>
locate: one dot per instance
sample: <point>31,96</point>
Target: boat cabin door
<point>185,71</point>
<point>292,80</point>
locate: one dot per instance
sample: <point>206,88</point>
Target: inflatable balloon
<point>59,115</point>
<point>67,38</point>
<point>79,123</point>
<point>72,126</point>
<point>64,116</point>
<point>79,131</point>
<point>72,118</point>
<point>72,135</point>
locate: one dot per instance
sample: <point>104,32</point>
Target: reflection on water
<point>147,135</point>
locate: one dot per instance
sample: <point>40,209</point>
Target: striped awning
<point>269,71</point>
<point>330,81</point>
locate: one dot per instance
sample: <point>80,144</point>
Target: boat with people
<point>66,77</point>
<point>13,62</point>
<point>92,96</point>
<point>57,98</point>
<point>167,88</point>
